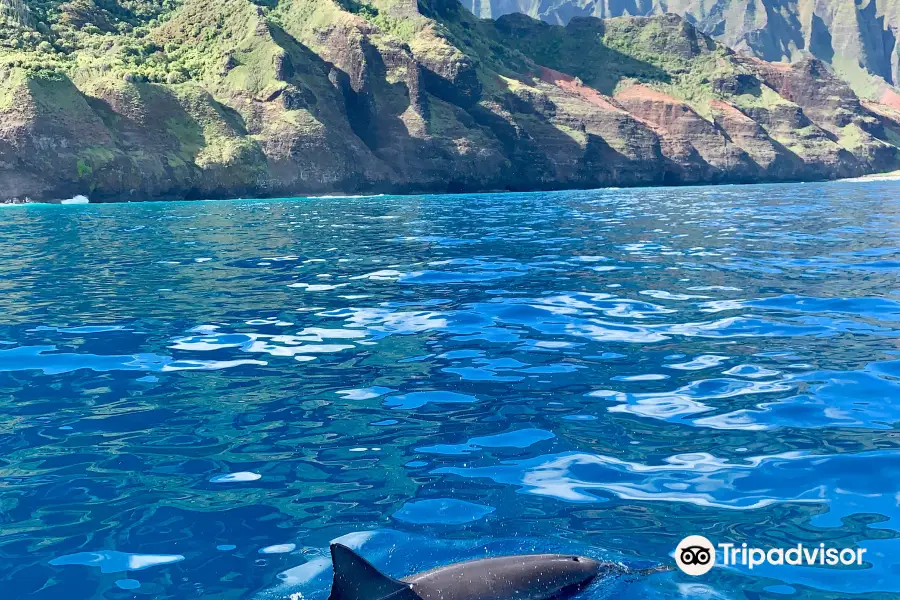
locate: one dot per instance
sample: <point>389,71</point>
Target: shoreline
<point>886,176</point>
<point>81,200</point>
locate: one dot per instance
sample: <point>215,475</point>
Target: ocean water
<point>196,398</point>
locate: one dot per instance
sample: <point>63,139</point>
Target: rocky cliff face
<point>225,98</point>
<point>859,39</point>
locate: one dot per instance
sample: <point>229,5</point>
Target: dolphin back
<point>356,579</point>
<point>525,577</point>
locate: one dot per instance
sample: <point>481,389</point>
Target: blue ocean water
<point>197,397</point>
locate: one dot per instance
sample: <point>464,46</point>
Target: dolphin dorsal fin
<point>356,579</point>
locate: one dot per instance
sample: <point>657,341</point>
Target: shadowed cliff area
<point>144,99</point>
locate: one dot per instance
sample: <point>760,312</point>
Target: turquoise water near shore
<point>197,397</point>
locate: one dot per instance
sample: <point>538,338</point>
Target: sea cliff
<point>222,98</point>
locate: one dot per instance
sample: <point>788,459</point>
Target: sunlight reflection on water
<point>234,384</point>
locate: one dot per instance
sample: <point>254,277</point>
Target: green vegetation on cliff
<point>858,39</point>
<point>134,99</point>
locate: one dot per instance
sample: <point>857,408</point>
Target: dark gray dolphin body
<point>528,577</point>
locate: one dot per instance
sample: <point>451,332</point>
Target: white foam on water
<point>274,322</point>
<point>203,345</point>
<point>752,371</point>
<point>209,365</point>
<point>139,562</point>
<point>699,591</point>
<point>382,275</point>
<point>323,333</point>
<point>240,477</point>
<point>205,329</point>
<point>664,295</point>
<point>590,259</point>
<point>364,393</point>
<point>706,361</point>
<point>645,377</point>
<point>310,287</point>
<point>112,561</point>
<point>275,350</point>
<point>278,549</point>
<point>715,306</point>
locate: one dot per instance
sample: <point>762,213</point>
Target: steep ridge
<point>860,39</point>
<point>137,100</point>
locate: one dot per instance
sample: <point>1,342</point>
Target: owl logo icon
<point>695,555</point>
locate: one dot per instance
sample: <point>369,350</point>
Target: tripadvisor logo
<point>696,555</point>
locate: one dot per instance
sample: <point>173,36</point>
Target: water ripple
<point>700,479</point>
<point>600,372</point>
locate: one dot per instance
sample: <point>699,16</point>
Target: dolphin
<point>526,577</point>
